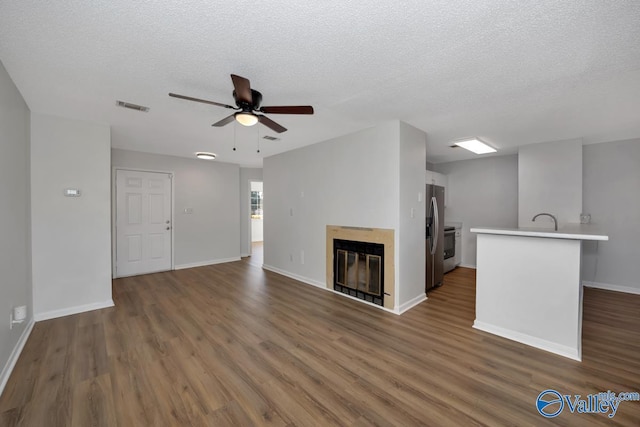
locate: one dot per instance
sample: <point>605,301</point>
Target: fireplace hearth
<point>359,270</point>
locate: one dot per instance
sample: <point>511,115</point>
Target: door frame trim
<point>249,229</point>
<point>114,236</point>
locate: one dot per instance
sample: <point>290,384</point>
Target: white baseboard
<point>244,255</point>
<point>323,285</point>
<point>609,287</point>
<point>72,310</point>
<point>412,303</point>
<point>467,266</point>
<point>15,354</point>
<point>532,341</point>
<point>205,263</point>
<point>294,276</point>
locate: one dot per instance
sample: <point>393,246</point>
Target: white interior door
<point>143,222</point>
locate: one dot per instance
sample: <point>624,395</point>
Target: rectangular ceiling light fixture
<point>475,145</point>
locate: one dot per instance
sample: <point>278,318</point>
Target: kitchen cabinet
<point>436,178</point>
<point>428,177</point>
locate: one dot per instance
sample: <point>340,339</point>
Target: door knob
<point>168,221</point>
<point>168,228</point>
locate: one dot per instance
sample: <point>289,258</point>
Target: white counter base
<point>528,289</point>
<point>529,340</point>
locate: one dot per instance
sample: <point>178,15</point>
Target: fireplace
<point>360,264</point>
<point>358,270</point>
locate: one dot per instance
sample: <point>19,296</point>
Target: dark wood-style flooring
<point>234,345</point>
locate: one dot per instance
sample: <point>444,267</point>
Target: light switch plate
<point>71,192</point>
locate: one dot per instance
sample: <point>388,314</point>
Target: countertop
<point>569,231</point>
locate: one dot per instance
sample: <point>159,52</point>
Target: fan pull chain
<point>235,125</point>
<point>258,140</point>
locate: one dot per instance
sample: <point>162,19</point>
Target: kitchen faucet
<point>555,220</point>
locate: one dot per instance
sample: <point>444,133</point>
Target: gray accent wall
<point>550,181</point>
<point>412,214</point>
<point>611,194</point>
<point>482,192</point>
<point>211,189</point>
<point>15,248</point>
<point>71,242</point>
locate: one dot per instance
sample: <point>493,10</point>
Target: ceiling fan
<point>248,103</point>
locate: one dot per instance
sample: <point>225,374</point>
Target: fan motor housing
<point>256,97</point>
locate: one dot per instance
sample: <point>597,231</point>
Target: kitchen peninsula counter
<point>572,231</point>
<point>528,285</point>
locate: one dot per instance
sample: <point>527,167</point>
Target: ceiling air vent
<point>271,138</point>
<point>132,106</point>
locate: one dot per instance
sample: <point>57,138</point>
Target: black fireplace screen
<point>358,269</point>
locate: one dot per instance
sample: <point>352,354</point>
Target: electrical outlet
<point>301,257</point>
<point>10,320</point>
<point>291,257</point>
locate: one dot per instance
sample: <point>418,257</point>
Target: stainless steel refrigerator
<point>435,236</point>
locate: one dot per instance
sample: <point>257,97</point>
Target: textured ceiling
<point>512,73</point>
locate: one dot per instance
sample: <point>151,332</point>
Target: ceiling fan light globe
<point>246,119</point>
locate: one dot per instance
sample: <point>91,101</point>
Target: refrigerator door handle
<point>436,226</point>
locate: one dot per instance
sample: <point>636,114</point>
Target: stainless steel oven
<point>449,248</point>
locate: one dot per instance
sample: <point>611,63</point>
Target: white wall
<point>482,192</point>
<point>15,247</point>
<point>212,189</point>
<point>370,178</point>
<point>352,180</point>
<point>71,236</point>
<point>246,176</point>
<point>611,195</point>
<point>550,180</point>
<point>412,213</point>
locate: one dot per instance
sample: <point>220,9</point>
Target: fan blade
<point>271,124</point>
<point>297,109</point>
<point>225,121</point>
<point>243,89</point>
<point>188,98</point>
